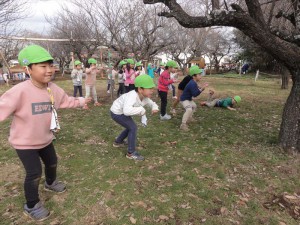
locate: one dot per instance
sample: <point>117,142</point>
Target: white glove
<point>144,120</point>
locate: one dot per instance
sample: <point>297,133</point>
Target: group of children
<point>33,104</point>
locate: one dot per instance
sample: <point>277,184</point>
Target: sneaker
<point>56,186</point>
<point>97,104</point>
<point>118,145</point>
<point>135,155</point>
<point>184,127</point>
<point>38,212</point>
<point>165,117</point>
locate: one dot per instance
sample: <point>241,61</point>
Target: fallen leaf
<point>132,220</point>
<point>163,217</point>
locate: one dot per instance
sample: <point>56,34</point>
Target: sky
<point>38,8</point>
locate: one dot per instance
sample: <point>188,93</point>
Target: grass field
<point>226,170</point>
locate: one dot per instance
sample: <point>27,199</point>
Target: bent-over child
<point>132,104</point>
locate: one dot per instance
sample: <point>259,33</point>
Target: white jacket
<point>130,104</point>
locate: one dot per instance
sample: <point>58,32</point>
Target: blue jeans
<point>130,130</point>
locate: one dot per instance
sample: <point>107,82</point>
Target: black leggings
<point>164,101</point>
<point>75,90</point>
<point>129,88</point>
<point>33,167</point>
<point>121,89</point>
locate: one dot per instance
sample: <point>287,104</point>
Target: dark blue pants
<point>130,130</point>
<point>79,88</point>
<point>33,167</point>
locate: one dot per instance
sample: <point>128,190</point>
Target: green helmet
<point>77,62</point>
<point>237,98</point>
<point>122,62</point>
<point>138,64</point>
<point>144,81</point>
<point>172,63</point>
<point>130,61</point>
<point>194,70</point>
<point>33,54</point>
<point>92,61</point>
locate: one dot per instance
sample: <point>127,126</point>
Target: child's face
<point>172,70</point>
<point>198,77</point>
<point>93,65</point>
<point>78,66</point>
<point>131,66</point>
<point>41,72</point>
<point>146,92</point>
<point>233,101</point>
<point>123,67</point>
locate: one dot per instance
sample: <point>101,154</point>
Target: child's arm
<point>153,105</point>
<point>230,108</point>
<point>8,104</point>
<point>64,101</point>
<point>73,74</point>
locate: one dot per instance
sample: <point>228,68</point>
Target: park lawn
<point>225,170</point>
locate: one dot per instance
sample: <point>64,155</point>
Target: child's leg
<point>130,130</point>
<point>164,101</point>
<point>49,158</point>
<point>33,168</point>
<point>173,91</point>
<point>87,91</point>
<point>188,111</point>
<point>108,86</point>
<point>176,101</point>
<point>122,88</point>
<point>75,91</point>
<point>212,103</point>
<point>94,93</point>
<point>80,91</point>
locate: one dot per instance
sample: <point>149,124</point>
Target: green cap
<point>144,81</point>
<point>237,98</point>
<point>77,62</point>
<point>138,64</point>
<point>33,54</point>
<point>162,64</point>
<point>194,70</point>
<point>130,61</point>
<point>123,62</point>
<point>92,61</point>
<point>172,63</point>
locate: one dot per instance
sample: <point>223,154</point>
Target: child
<point>111,75</point>
<point>172,87</point>
<point>227,103</point>
<point>163,86</point>
<point>181,87</point>
<point>191,90</point>
<point>160,69</point>
<point>130,75</point>
<point>33,103</point>
<point>90,82</point>
<point>139,69</point>
<point>150,70</point>
<point>131,104</point>
<point>121,73</point>
<point>76,76</point>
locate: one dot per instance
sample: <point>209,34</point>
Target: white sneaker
<point>165,117</point>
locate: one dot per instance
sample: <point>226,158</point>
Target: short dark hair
<point>137,88</point>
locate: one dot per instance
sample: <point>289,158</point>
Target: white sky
<point>37,9</point>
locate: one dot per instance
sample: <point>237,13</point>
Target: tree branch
<point>256,12</point>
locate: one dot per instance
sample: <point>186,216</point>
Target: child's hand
<point>175,81</point>
<point>154,111</point>
<point>205,84</point>
<point>87,100</point>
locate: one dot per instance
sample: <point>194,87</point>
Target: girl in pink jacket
<point>33,104</point>
<point>129,75</point>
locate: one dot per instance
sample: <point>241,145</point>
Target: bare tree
<point>84,36</point>
<point>283,43</point>
<point>11,11</point>
<point>218,46</point>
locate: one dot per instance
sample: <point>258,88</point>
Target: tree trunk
<point>289,135</point>
<point>285,78</point>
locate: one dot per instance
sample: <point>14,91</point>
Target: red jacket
<point>164,80</point>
